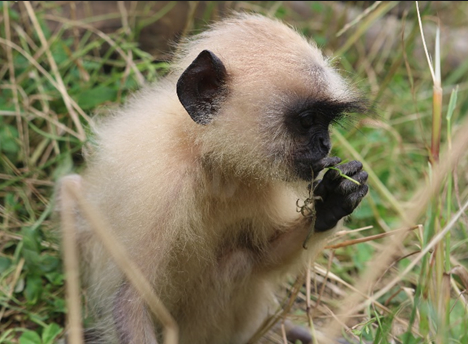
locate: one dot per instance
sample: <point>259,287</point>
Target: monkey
<point>199,175</point>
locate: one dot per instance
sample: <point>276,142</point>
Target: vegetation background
<point>63,62</point>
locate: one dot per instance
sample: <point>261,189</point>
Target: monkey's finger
<point>348,169</point>
<point>356,197</point>
<point>328,215</point>
<point>320,188</point>
<point>347,186</point>
<point>329,161</point>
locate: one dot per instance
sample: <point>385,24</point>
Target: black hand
<point>329,161</point>
<point>338,196</point>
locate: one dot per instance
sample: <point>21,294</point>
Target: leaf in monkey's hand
<point>344,175</point>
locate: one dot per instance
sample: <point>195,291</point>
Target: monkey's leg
<point>132,320</point>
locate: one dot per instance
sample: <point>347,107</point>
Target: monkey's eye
<point>307,120</point>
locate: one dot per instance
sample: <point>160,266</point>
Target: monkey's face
<point>308,125</point>
<point>278,128</point>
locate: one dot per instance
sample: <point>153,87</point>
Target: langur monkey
<point>199,176</point>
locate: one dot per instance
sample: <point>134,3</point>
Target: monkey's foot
<point>295,333</point>
<point>337,196</point>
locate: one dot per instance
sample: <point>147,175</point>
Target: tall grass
<point>397,271</point>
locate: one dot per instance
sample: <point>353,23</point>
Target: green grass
<point>53,81</point>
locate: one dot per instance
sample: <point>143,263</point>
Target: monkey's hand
<point>337,196</point>
<point>329,161</point>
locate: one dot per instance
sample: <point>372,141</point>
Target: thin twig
<point>369,238</point>
<point>358,18</point>
<point>424,44</point>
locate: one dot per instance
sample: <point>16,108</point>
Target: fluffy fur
<point>208,212</point>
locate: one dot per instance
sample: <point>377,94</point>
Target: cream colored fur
<point>207,212</point>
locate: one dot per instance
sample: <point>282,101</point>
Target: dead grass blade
<point>102,229</point>
<point>358,18</point>
<point>71,264</point>
<point>353,302</point>
<point>370,238</point>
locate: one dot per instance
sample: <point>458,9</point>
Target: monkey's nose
<point>324,144</point>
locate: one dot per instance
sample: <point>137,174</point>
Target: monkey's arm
<point>132,320</point>
<point>336,196</point>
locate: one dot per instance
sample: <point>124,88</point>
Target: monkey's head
<point>262,98</point>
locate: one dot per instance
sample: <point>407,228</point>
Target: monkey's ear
<point>201,86</point>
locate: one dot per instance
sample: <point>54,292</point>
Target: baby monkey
<point>199,176</point>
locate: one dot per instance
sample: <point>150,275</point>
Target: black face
<point>308,123</point>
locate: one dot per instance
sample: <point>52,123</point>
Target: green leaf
<point>452,103</point>
<point>33,289</point>
<point>32,260</point>
<point>9,139</point>
<point>55,278</point>
<point>31,240</point>
<point>5,263</point>
<point>30,337</point>
<point>31,250</point>
<point>50,333</point>
<point>89,99</point>
<point>49,263</point>
<point>59,305</point>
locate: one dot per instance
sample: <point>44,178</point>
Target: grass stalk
<point>117,251</point>
<point>441,255</point>
<point>71,265</point>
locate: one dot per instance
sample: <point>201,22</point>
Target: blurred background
<point>64,62</point>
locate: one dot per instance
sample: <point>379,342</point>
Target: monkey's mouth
<point>308,169</point>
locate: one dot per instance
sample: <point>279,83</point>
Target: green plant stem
<point>344,175</point>
<point>436,123</point>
